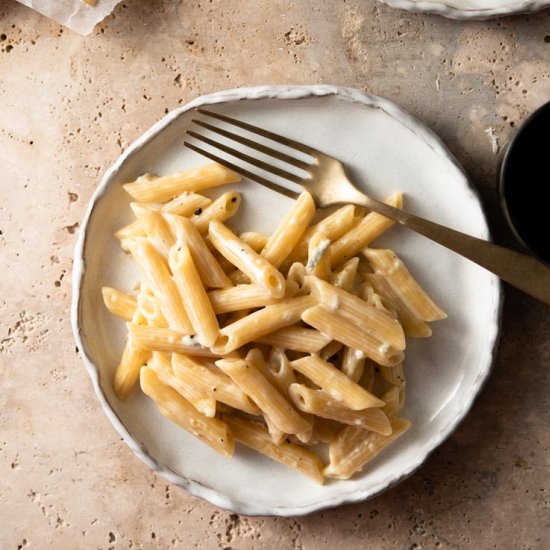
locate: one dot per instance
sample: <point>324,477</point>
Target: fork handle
<point>522,271</point>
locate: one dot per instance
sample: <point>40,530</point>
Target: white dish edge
<point>451,12</point>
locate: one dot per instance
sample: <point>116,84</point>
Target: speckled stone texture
<point>69,105</point>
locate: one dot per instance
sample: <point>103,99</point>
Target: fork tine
<point>253,145</point>
<point>264,133</point>
<point>243,172</point>
<point>247,158</point>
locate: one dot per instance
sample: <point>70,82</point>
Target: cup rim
<point>502,178</point>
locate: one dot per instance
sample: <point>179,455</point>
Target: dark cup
<point>525,183</point>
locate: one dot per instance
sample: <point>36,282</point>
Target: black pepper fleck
<point>198,211</point>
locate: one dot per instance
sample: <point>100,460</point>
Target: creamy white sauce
<point>317,254</point>
<point>395,267</point>
<point>384,348</point>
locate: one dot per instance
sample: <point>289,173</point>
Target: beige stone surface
<point>69,105</point>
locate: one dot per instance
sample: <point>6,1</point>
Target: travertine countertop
<point>69,105</point>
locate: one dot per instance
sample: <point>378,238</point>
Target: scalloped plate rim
<point>480,14</point>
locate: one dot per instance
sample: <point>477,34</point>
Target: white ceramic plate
<point>385,150</point>
<point>470,9</point>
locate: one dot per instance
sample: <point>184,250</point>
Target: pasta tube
<point>241,297</point>
<point>167,340</point>
<point>155,226</point>
<point>198,397</point>
<point>155,271</point>
<point>256,437</point>
<point>261,322</point>
<point>186,204</point>
<point>220,210</point>
<point>193,295</point>
<point>220,386</point>
<point>319,403</point>
<point>347,332</point>
<point>354,447</point>
<point>297,339</point>
<point>251,381</point>
<point>290,230</point>
<point>375,322</point>
<point>209,269</point>
<point>363,233</point>
<point>386,263</point>
<point>211,431</point>
<point>345,277</point>
<point>127,372</point>
<point>242,256</point>
<point>159,189</point>
<point>119,303</point>
<point>333,227</point>
<point>336,383</point>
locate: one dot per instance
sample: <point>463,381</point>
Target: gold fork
<point>325,178</point>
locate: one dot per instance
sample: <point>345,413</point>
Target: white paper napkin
<point>74,14</point>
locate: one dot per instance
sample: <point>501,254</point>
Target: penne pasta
<point>277,436</point>
<point>367,377</point>
<point>375,322</point>
<point>335,383</point>
<point>353,364</point>
<point>393,375</point>
<point>412,324</point>
<point>387,264</point>
<point>362,233</point>
<point>155,227</point>
<point>130,231</point>
<point>255,357</point>
<point>127,372</point>
<point>254,240</point>
<point>255,436</point>
<point>345,277</point>
<point>394,399</point>
<point>339,328</point>
<point>281,373</point>
<point>155,272</point>
<point>150,309</point>
<point>193,294</point>
<point>323,430</point>
<point>333,227</point>
<point>119,303</point>
<point>354,447</point>
<point>290,230</point>
<point>297,273</point>
<point>211,431</point>
<point>186,204</point>
<point>262,322</point>
<point>330,350</point>
<point>319,403</point>
<point>220,210</point>
<point>198,397</point>
<point>167,340</point>
<point>396,377</point>
<point>159,189</point>
<point>244,297</point>
<point>219,386</point>
<point>328,313</point>
<point>248,377</point>
<point>297,339</point>
<point>258,269</point>
<point>209,269</point>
